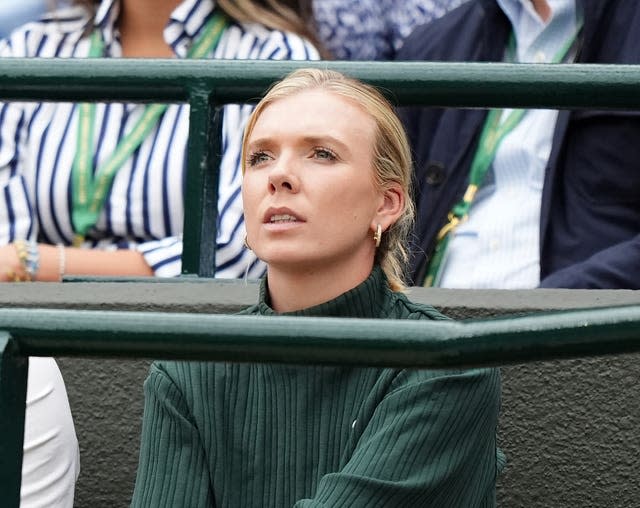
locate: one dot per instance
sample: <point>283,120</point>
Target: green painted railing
<point>388,343</point>
<point>206,86</point>
<point>397,343</point>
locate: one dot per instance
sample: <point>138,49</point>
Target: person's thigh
<point>51,460</point>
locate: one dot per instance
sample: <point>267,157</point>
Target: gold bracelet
<point>29,258</point>
<point>23,254</point>
<point>14,276</point>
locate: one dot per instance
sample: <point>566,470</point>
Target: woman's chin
<point>291,258</point>
<point>283,259</point>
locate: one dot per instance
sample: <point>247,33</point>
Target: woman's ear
<point>391,206</point>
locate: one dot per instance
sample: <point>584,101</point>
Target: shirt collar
<point>105,21</point>
<point>184,24</point>
<point>533,35</point>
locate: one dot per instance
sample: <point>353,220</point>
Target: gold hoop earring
<point>377,236</point>
<point>246,244</point>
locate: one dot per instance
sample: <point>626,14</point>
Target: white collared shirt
<point>499,245</point>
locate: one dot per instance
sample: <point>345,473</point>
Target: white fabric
<point>51,461</point>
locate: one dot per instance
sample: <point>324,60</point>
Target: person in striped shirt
<point>327,169</point>
<point>51,154</point>
<point>138,229</point>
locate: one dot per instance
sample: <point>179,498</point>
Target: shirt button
<point>494,244</point>
<point>434,174</point>
<point>539,57</point>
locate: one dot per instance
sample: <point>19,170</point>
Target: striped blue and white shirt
<point>144,209</point>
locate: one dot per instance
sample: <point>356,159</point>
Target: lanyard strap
<point>493,132</point>
<point>89,191</point>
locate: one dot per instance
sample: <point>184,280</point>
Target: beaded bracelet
<point>62,261</point>
<point>29,257</point>
<point>33,260</point>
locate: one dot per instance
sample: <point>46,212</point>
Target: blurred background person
<point>372,29</point>
<point>528,198</point>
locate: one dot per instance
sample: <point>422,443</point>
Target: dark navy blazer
<point>590,216</point>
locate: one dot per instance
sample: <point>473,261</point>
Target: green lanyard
<point>89,190</point>
<point>493,132</point>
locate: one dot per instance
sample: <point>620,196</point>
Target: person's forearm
<point>56,263</point>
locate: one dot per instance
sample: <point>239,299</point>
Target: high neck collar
<point>363,301</point>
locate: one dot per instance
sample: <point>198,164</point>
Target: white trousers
<point>51,460</point>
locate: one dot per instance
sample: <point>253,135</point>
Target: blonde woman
<point>47,230</point>
<point>326,194</point>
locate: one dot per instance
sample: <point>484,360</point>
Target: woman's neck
<point>291,290</point>
<point>141,24</point>
<point>542,8</point>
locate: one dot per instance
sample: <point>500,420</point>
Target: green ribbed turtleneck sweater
<point>269,435</point>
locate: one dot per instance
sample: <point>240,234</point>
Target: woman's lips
<point>281,219</point>
<point>281,215</point>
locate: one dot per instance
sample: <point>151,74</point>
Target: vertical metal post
<point>13,395</point>
<point>201,188</point>
<point>209,220</point>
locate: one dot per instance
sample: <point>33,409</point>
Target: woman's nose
<point>282,178</point>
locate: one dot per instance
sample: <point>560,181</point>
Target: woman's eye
<point>324,154</point>
<point>258,158</point>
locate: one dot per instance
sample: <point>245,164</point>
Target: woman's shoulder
<point>43,37</point>
<point>401,307</point>
<point>276,44</point>
<point>252,310</point>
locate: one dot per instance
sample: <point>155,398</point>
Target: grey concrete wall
<point>569,428</point>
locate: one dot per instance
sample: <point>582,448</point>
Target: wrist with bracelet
<point>62,261</point>
<point>29,258</point>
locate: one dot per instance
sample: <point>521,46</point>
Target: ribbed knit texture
<point>266,435</point>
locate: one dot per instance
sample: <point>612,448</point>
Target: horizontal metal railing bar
<point>398,343</point>
<point>568,86</point>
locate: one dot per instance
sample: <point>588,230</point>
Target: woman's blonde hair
<point>391,152</point>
